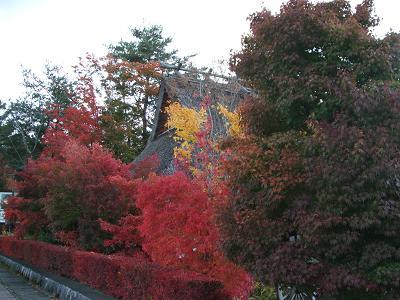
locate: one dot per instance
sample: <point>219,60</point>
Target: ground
<point>15,287</point>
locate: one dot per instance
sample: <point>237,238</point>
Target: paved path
<point>5,294</point>
<point>15,287</point>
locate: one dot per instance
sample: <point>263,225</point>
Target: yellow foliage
<point>187,122</point>
<point>233,119</point>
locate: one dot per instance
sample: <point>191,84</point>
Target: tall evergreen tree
<point>132,87</point>
<point>147,44</point>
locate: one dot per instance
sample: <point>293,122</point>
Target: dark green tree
<point>147,44</point>
<point>6,174</point>
<point>23,121</point>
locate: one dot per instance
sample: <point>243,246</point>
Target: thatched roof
<point>189,90</point>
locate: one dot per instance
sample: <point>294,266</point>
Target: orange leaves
<point>131,89</point>
<point>141,75</point>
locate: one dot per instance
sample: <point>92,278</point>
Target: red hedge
<point>119,276</point>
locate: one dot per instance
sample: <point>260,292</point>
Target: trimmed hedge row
<point>118,276</point>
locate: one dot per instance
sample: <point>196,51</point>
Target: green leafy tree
<point>132,84</point>
<point>316,199</point>
<point>6,174</point>
<point>23,121</point>
<point>132,89</point>
<point>148,44</point>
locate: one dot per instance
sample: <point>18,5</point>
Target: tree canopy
<point>147,44</point>
<point>317,200</point>
<point>23,121</point>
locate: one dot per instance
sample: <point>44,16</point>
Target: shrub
<point>119,276</point>
<point>66,194</point>
<point>45,256</point>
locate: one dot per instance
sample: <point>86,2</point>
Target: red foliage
<point>143,168</point>
<point>316,195</point>
<point>74,181</point>
<point>70,192</point>
<point>118,276</point>
<point>129,278</point>
<point>79,122</point>
<point>177,225</point>
<point>69,239</point>
<point>125,234</point>
<point>27,214</point>
<point>45,256</point>
<point>178,230</point>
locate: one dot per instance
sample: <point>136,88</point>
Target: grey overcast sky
<point>33,32</point>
